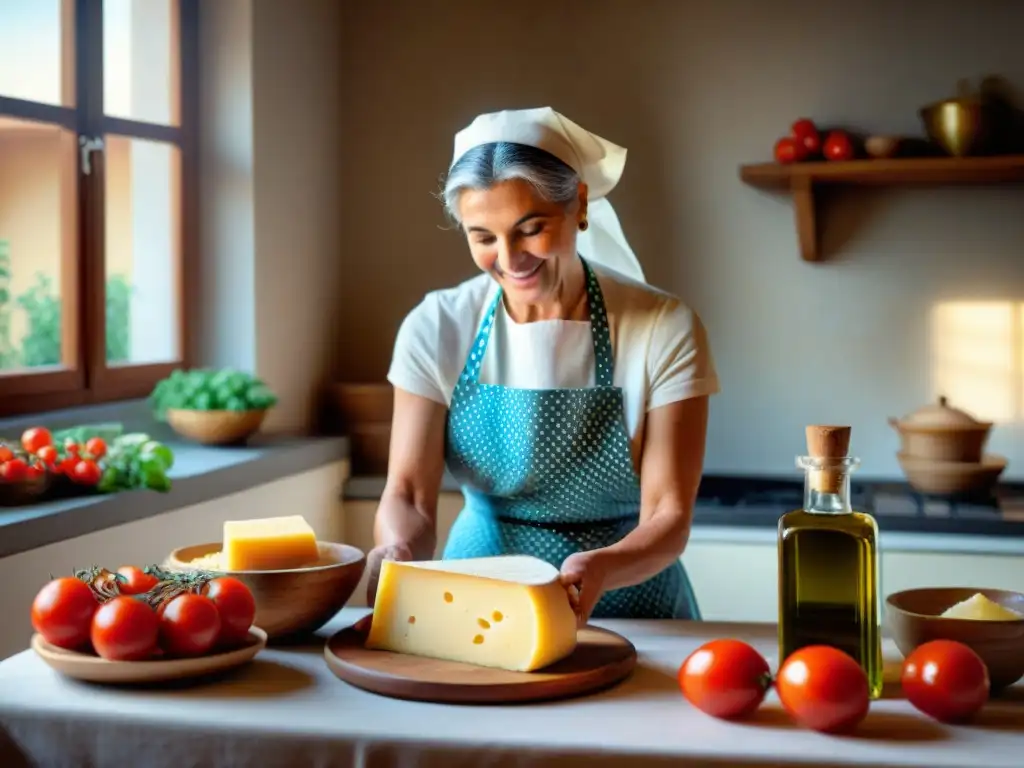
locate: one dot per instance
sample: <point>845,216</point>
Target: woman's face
<point>526,243</point>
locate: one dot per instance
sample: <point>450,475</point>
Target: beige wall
<point>313,494</point>
<point>694,89</point>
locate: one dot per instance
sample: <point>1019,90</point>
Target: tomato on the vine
<point>189,625</point>
<point>237,608</point>
<point>62,612</point>
<point>125,629</point>
<point>13,470</point>
<point>136,581</point>
<point>823,689</point>
<point>35,438</point>
<point>34,470</point>
<point>725,678</point>
<point>946,680</point>
<point>86,472</point>
<point>96,447</point>
<point>47,454</point>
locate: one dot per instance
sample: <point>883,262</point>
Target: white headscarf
<point>598,162</point>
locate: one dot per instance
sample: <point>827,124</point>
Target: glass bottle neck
<point>827,484</point>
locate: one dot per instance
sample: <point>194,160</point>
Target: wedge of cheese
<point>269,544</point>
<point>507,612</point>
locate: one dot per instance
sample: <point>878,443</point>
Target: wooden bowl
<point>25,492</point>
<point>94,669</point>
<point>216,427</point>
<point>952,478</point>
<point>296,601</point>
<point>913,619</point>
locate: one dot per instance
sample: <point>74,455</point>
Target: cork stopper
<point>827,442</point>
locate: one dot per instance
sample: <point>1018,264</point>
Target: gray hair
<point>485,165</point>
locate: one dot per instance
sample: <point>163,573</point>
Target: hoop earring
<point>584,225</point>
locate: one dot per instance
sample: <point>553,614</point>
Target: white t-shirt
<point>660,348</point>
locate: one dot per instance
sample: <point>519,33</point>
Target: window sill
<point>199,474</point>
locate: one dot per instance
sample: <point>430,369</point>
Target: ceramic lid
<point>940,414</point>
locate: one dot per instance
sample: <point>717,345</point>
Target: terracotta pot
<point>950,478</point>
<point>940,432</point>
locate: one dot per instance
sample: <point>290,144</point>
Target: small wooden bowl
<point>913,619</point>
<point>216,427</point>
<point>296,601</point>
<point>951,478</point>
<point>26,492</point>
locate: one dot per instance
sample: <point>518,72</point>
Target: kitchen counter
<point>286,709</point>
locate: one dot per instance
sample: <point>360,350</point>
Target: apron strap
<point>603,360</point>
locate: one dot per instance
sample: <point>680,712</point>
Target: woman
<point>568,398</point>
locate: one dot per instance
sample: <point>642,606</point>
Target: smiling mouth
<point>523,275</point>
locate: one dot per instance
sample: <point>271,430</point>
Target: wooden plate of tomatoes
<point>146,625</point>
<point>95,669</point>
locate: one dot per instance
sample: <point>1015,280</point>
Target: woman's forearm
<point>648,549</point>
<point>403,520</point>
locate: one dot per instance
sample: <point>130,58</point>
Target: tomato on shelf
<point>839,147</point>
<point>806,133</point>
<point>946,680</point>
<point>789,150</point>
<point>13,470</point>
<point>86,472</point>
<point>823,689</point>
<point>725,678</point>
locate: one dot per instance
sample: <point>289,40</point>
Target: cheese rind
<point>980,608</point>
<point>269,544</point>
<point>508,612</point>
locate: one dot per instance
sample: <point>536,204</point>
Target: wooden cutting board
<point>602,658</point>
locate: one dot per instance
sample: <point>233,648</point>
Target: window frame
<point>84,376</point>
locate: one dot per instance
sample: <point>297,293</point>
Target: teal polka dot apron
<point>549,472</point>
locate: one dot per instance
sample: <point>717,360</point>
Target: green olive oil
<point>828,562</point>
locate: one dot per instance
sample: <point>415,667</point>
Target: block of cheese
<point>979,608</point>
<point>508,612</point>
<point>270,544</point>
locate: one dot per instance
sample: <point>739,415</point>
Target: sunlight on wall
<point>978,357</point>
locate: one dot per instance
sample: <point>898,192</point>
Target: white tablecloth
<point>287,710</point>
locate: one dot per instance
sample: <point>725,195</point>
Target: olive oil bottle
<point>828,561</point>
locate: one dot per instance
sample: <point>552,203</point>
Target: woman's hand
<point>376,556</point>
<point>585,575</point>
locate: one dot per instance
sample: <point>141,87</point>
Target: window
<point>97,167</point>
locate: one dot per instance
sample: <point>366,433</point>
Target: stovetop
<point>894,504</point>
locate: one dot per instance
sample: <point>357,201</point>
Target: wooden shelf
<point>803,180</point>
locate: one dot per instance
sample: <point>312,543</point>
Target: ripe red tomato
<point>725,678</point>
<point>125,629</point>
<point>6,454</point>
<point>86,472</point>
<point>47,454</point>
<point>34,470</point>
<point>189,625</point>
<point>35,438</point>
<point>946,680</point>
<point>62,612</point>
<point>838,146</point>
<point>136,580</point>
<point>806,133</point>
<point>13,470</point>
<point>96,447</point>
<point>823,689</point>
<point>237,608</point>
<point>789,150</point>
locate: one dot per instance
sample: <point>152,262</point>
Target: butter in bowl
<point>298,581</point>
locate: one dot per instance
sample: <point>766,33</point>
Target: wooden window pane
<point>142,251</point>
<point>37,51</point>
<point>141,60</point>
<point>38,247</point>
